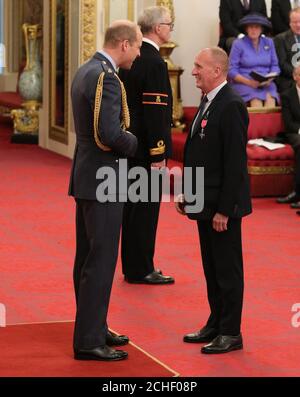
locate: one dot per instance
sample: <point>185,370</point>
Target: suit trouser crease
<point>97,238</point>
<point>139,229</point>
<point>223,268</point>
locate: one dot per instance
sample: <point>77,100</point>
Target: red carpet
<point>40,350</point>
<point>36,258</point>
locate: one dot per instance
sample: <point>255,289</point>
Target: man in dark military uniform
<point>98,99</point>
<point>150,102</point>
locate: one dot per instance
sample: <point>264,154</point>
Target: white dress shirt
<point>146,40</point>
<point>210,97</point>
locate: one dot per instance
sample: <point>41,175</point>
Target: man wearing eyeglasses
<point>150,103</point>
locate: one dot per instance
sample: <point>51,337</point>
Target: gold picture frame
<point>108,11</point>
<point>59,67</point>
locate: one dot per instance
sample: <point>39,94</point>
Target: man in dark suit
<point>217,142</point>
<point>231,11</point>
<point>291,115</point>
<point>98,100</point>
<point>280,15</point>
<point>287,48</point>
<point>150,102</point>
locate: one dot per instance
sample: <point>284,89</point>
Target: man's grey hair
<point>220,58</point>
<point>294,10</point>
<point>151,17</point>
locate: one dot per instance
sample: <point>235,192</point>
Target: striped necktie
<point>246,4</point>
<point>196,125</point>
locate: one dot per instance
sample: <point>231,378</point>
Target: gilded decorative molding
<point>107,12</point>
<point>274,170</point>
<point>57,132</point>
<point>174,71</point>
<point>88,29</point>
<point>26,121</point>
<point>275,109</point>
<point>168,4</point>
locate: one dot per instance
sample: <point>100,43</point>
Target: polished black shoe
<point>204,335</point>
<point>152,278</point>
<point>223,344</point>
<point>296,206</point>
<point>113,339</point>
<point>290,198</point>
<point>100,353</point>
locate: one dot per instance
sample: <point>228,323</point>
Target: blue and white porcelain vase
<point>30,82</point>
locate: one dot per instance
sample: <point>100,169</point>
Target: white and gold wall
<point>196,27</point>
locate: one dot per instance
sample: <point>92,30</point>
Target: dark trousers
<point>97,238</point>
<point>139,233</point>
<point>223,268</point>
<point>294,141</point>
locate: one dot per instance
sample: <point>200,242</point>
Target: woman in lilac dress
<point>254,52</point>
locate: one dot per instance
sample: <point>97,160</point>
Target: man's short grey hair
<point>220,57</point>
<point>295,10</point>
<point>151,17</point>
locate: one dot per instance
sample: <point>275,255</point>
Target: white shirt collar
<point>105,54</point>
<point>146,40</point>
<point>212,94</point>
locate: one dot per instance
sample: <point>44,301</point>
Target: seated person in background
<point>286,47</point>
<point>254,52</point>
<point>291,115</point>
<point>280,14</point>
<point>231,11</point>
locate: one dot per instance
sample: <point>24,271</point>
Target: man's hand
<point>179,204</point>
<point>220,222</point>
<point>159,165</point>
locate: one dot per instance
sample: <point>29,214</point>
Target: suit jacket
<point>222,153</point>
<point>284,43</point>
<point>149,97</point>
<point>280,15</point>
<point>291,110</point>
<point>231,11</point>
<point>88,157</point>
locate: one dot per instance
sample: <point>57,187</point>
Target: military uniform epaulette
<point>106,68</point>
<point>98,100</point>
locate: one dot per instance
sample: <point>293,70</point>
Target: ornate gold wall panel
<point>59,70</point>
<point>109,11</point>
<point>88,29</point>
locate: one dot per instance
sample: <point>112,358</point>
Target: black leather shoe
<point>116,340</point>
<point>223,344</point>
<point>290,198</point>
<point>152,278</point>
<point>100,353</point>
<point>296,206</point>
<point>204,335</point>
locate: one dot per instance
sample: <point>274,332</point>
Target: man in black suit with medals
<point>290,100</point>
<point>99,100</point>
<point>230,13</point>
<point>150,102</point>
<point>287,48</point>
<point>219,145</point>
